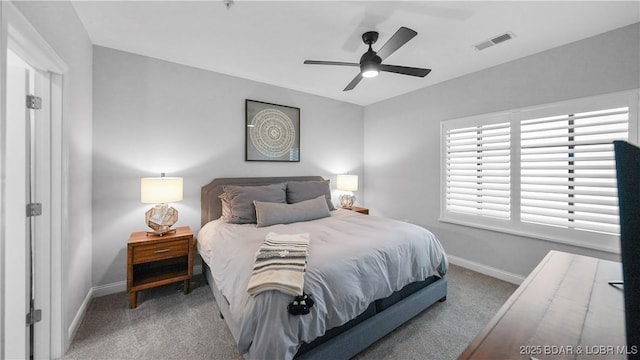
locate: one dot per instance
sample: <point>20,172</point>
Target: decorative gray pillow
<point>273,213</point>
<point>304,190</point>
<point>237,201</point>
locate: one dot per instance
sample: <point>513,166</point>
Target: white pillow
<point>269,213</point>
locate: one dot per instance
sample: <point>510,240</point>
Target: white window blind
<point>546,171</point>
<point>568,170</point>
<point>478,170</point>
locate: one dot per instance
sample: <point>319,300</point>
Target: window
<point>546,172</point>
<point>478,176</point>
<point>567,170</point>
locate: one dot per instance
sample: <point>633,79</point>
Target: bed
<point>353,307</point>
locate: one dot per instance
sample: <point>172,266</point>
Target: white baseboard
<point>486,270</point>
<point>77,320</point>
<point>108,289</point>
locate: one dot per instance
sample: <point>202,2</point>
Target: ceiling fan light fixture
<point>370,70</point>
<point>370,73</point>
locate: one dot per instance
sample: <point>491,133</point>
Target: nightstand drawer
<point>160,251</point>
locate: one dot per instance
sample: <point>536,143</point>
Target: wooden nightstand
<point>158,260</point>
<point>361,210</point>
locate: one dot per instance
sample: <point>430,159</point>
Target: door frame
<point>21,37</point>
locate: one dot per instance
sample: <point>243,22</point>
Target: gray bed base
<point>349,343</point>
<point>352,341</point>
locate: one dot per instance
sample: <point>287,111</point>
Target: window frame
<point>513,225</point>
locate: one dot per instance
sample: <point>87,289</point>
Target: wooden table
<point>360,210</point>
<point>158,260</point>
<point>565,309</point>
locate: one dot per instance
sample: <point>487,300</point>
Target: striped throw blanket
<point>280,264</point>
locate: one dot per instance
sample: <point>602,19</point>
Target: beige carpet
<point>168,325</point>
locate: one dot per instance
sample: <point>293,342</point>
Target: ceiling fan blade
<point>353,82</point>
<point>396,41</point>
<point>320,62</point>
<point>405,70</point>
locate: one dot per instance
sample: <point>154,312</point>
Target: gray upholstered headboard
<point>210,205</point>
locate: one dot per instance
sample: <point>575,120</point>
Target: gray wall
<point>58,23</point>
<point>402,144</point>
<point>152,116</point>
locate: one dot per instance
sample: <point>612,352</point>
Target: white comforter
<point>353,260</point>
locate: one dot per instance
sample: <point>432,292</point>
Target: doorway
<point>30,244</point>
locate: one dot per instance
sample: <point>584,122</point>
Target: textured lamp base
<point>347,200</point>
<point>161,218</point>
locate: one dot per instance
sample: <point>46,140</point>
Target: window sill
<point>610,245</point>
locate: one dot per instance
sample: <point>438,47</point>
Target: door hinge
<point>34,316</point>
<point>34,102</point>
<point>34,209</point>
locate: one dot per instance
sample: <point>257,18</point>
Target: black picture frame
<point>272,132</point>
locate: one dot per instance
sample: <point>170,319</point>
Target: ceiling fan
<point>371,61</point>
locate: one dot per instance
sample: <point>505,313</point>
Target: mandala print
<point>272,133</point>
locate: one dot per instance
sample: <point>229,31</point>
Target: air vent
<point>495,41</point>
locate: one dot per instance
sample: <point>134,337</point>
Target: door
<point>17,273</point>
<point>48,171</point>
<point>27,250</point>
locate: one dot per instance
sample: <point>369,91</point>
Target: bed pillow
<point>268,213</point>
<point>237,201</point>
<point>298,191</point>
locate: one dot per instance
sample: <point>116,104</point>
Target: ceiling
<point>268,41</point>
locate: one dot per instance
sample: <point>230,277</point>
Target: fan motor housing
<point>370,57</point>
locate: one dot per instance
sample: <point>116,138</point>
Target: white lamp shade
<point>347,182</point>
<point>160,190</point>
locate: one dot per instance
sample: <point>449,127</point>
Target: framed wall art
<point>272,132</point>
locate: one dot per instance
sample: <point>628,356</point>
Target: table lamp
<point>348,183</point>
<point>160,191</point>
